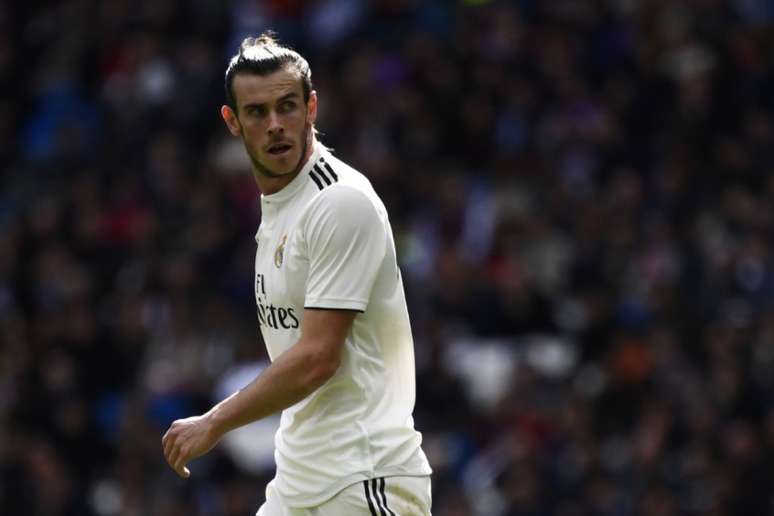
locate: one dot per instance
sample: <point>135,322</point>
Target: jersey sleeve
<point>346,243</point>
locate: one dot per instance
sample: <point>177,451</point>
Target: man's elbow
<point>323,365</point>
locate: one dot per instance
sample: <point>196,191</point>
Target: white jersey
<point>325,242</point>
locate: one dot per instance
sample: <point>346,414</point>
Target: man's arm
<point>293,376</point>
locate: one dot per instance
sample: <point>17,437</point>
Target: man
<point>331,310</point>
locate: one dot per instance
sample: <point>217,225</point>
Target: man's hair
<point>263,56</point>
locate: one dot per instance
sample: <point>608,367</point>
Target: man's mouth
<point>279,148</point>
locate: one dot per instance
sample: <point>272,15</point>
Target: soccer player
<point>331,309</point>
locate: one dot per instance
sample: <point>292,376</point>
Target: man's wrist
<point>218,424</point>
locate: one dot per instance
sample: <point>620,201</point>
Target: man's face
<point>272,120</point>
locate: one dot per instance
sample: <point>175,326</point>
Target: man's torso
<point>358,425</point>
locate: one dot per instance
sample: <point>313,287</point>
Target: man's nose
<point>275,126</point>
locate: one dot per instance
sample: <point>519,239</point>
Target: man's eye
<point>287,106</point>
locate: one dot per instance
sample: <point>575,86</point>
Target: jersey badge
<point>279,254</point>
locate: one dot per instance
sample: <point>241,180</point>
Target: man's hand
<point>186,440</point>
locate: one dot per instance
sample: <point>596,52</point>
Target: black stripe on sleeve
<point>368,498</point>
<point>376,496</point>
<point>329,308</point>
<point>384,497</point>
<point>329,169</point>
<point>322,174</point>
<point>316,179</point>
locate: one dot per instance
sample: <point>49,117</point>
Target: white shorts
<point>390,496</point>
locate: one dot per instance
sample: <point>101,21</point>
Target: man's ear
<point>232,122</point>
<point>311,107</point>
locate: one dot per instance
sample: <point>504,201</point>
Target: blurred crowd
<point>581,195</point>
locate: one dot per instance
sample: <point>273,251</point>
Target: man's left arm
<point>293,376</point>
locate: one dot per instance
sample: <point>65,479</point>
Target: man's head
<point>271,105</point>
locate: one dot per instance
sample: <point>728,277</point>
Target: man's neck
<point>271,185</point>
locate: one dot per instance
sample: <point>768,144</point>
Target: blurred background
<point>581,193</point>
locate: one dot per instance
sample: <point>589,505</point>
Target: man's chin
<point>272,168</point>
<point>281,169</point>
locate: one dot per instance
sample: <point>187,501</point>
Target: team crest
<point>279,254</point>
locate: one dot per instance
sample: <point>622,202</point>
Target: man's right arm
<point>293,376</point>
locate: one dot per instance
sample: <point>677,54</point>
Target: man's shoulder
<point>341,184</point>
<point>327,171</point>
<point>346,199</point>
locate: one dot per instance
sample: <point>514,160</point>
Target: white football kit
<point>325,242</point>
